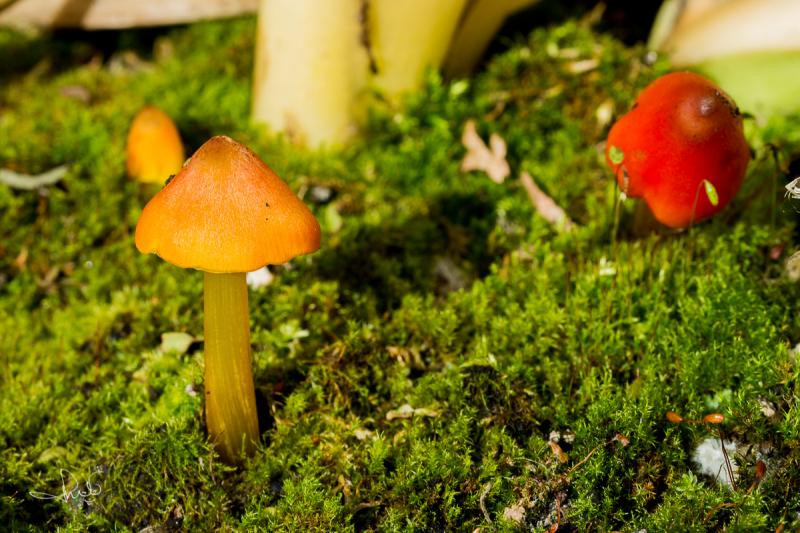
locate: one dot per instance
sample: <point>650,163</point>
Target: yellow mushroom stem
<point>230,395</point>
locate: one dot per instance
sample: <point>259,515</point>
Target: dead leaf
<point>545,205</point>
<point>480,157</point>
<point>76,92</point>
<point>768,409</point>
<point>622,439</point>
<point>21,259</point>
<point>406,411</point>
<point>49,277</point>
<point>364,434</point>
<point>585,65</point>
<point>344,485</point>
<point>177,341</point>
<point>127,63</point>
<point>604,114</point>
<point>793,266</point>
<point>407,357</point>
<point>515,513</point>
<point>558,451</point>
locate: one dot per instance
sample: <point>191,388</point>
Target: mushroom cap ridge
<point>226,211</point>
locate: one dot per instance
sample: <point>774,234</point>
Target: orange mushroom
<point>154,147</point>
<point>227,213</point>
<point>682,138</point>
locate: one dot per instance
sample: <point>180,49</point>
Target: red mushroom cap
<point>683,131</point>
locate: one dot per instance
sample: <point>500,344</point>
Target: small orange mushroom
<point>155,150</point>
<point>682,148</point>
<point>227,213</point>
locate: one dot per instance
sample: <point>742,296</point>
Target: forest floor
<point>448,361</point>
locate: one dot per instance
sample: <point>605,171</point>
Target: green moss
<point>582,334</point>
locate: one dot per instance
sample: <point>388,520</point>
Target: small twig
<point>717,508</point>
<point>617,437</point>
<point>727,460</point>
<point>558,516</point>
<point>339,357</point>
<point>761,469</point>
<point>360,506</point>
<point>703,499</point>
<point>545,205</point>
<point>25,182</point>
<point>484,492</point>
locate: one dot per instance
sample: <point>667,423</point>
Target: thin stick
<point>727,460</point>
<point>484,492</point>
<point>692,235</point>
<point>558,516</point>
<point>587,457</point>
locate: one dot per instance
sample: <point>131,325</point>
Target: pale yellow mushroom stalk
<point>482,19</point>
<point>310,68</point>
<point>317,61</point>
<point>409,36</point>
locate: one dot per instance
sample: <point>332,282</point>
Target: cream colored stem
<point>230,394</point>
<point>310,67</point>
<point>409,36</point>
<point>479,24</point>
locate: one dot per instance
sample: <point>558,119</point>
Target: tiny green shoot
<point>616,155</point>
<point>711,192</point>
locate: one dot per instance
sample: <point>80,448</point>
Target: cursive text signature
<point>71,489</point>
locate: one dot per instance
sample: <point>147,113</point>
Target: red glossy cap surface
<point>226,211</point>
<point>682,130</point>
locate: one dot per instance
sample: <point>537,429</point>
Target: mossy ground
<point>587,332</point>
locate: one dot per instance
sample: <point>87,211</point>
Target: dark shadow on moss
<point>387,261</point>
<point>487,392</point>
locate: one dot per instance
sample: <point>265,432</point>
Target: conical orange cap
<point>226,211</point>
<point>154,148</point>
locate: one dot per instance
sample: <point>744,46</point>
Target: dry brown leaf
<point>76,92</point>
<point>544,204</point>
<point>21,259</point>
<point>585,65</point>
<point>558,451</point>
<point>480,157</point>
<point>515,514</point>
<point>406,411</point>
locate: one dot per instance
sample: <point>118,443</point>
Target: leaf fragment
<point>480,157</point>
<point>558,451</point>
<point>545,205</point>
